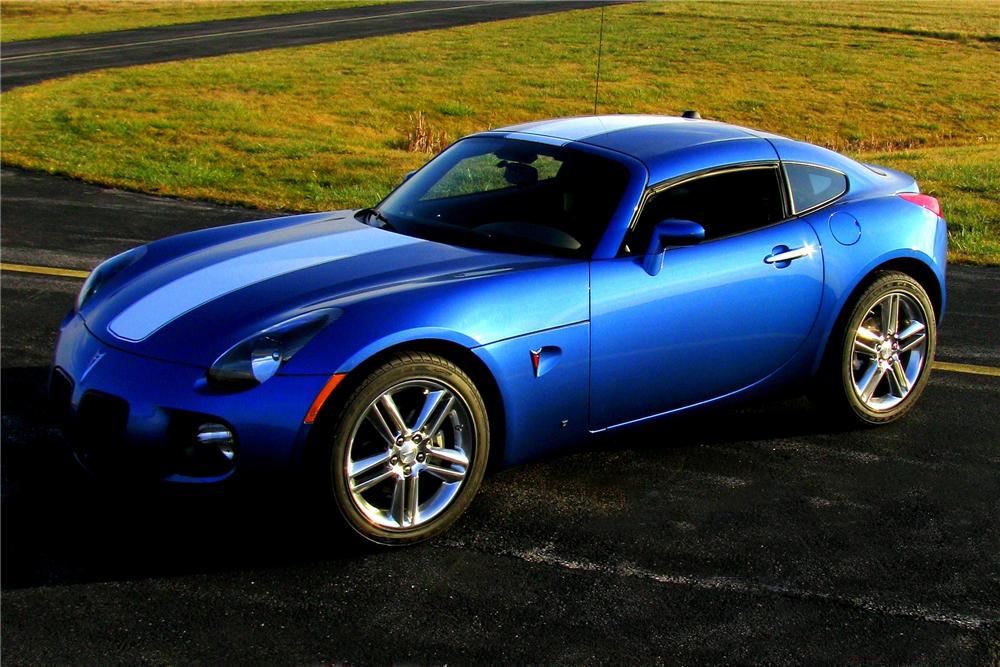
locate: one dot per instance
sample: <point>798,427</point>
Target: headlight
<point>258,358</point>
<point>105,272</point>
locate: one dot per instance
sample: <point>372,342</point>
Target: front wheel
<point>886,351</point>
<point>408,449</point>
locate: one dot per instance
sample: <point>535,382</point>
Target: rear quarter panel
<point>891,229</point>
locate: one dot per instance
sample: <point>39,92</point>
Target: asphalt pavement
<point>31,61</point>
<point>755,536</point>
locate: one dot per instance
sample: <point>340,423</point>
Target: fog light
<point>219,438</point>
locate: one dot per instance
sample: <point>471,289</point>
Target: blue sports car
<point>526,289</point>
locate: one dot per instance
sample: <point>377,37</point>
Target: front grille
<point>60,393</point>
<point>99,433</point>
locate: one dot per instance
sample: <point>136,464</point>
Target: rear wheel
<point>885,352</point>
<point>408,449</point>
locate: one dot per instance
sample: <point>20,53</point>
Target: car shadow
<point>60,526</point>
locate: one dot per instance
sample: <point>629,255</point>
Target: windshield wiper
<point>369,213</point>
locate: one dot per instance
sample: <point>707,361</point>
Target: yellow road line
<point>44,270</point>
<point>966,368</point>
<point>947,366</point>
<point>246,31</point>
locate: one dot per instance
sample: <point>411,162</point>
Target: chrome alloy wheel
<point>890,349</point>
<point>409,454</point>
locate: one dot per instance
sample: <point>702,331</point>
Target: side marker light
<point>321,397</point>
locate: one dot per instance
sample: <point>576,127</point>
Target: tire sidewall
<point>394,372</point>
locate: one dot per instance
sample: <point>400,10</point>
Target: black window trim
<point>815,207</point>
<point>651,190</point>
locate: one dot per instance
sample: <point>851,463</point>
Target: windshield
<point>510,196</point>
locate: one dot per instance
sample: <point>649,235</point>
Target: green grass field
<point>915,86</point>
<point>33,19</point>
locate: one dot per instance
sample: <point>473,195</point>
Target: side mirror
<point>670,233</point>
<point>409,175</point>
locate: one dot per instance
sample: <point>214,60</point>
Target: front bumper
<point>133,416</point>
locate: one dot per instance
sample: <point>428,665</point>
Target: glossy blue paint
<point>618,345</point>
<point>714,320</point>
<point>205,285</point>
<point>469,308</point>
<point>536,407</point>
<point>894,230</point>
<point>845,228</point>
<point>369,286</point>
<point>157,390</point>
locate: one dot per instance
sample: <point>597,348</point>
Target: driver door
<point>718,317</point>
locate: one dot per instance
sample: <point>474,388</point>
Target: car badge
<point>535,357</point>
<point>93,362</point>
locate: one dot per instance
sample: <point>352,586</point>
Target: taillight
<point>928,202</point>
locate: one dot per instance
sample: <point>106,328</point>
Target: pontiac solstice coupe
<point>526,289</point>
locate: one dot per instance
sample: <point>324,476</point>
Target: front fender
<point>398,338</point>
<point>471,311</point>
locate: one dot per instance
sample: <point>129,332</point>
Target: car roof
<point>673,146</point>
<point>667,145</point>
<point>641,136</point>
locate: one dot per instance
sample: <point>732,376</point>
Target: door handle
<point>782,255</point>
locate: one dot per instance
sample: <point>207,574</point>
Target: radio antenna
<point>600,48</point>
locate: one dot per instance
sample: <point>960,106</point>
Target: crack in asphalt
<point>546,556</point>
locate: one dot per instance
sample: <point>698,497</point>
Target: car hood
<point>191,297</point>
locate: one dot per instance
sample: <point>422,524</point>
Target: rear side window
<point>813,186</point>
<point>726,203</point>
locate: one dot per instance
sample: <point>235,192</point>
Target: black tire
<point>412,380</point>
<point>873,377</point>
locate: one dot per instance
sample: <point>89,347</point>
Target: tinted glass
<point>812,185</point>
<point>724,204</point>
<point>510,195</point>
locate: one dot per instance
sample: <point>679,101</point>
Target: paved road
<point>761,537</point>
<point>36,60</point>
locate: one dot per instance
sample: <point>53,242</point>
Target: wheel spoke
<point>446,474</point>
<point>917,340</point>
<point>356,468</point>
<point>431,403</point>
<point>890,314</point>
<point>899,378</point>
<point>867,335</point>
<point>870,380</point>
<point>374,416</point>
<point>442,415</point>
<point>396,510</point>
<point>865,348</point>
<point>913,336</point>
<point>413,499</point>
<point>369,483</point>
<point>454,456</point>
<point>395,419</point>
<point>912,330</point>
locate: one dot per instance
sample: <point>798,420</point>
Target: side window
<point>726,203</point>
<point>812,185</point>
